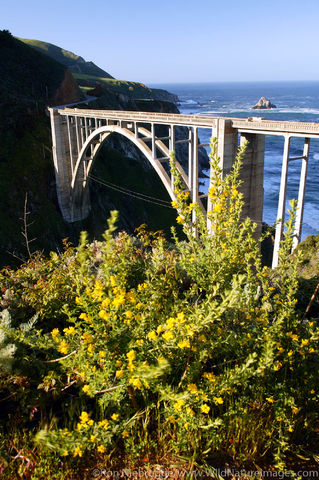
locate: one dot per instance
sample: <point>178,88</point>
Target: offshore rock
<point>263,104</point>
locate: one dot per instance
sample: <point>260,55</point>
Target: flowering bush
<point>143,348</point>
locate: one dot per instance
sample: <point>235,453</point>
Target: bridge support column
<point>227,144</point>
<point>252,175</point>
<point>63,170</point>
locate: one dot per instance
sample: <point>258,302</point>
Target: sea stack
<point>263,104</point>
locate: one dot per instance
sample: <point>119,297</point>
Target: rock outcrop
<point>263,104</point>
<point>68,91</point>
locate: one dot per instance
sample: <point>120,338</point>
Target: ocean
<point>295,101</point>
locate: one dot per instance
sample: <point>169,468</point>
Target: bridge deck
<point>252,124</point>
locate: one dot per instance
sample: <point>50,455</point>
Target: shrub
<point>194,350</point>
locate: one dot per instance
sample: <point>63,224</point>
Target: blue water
<point>295,101</point>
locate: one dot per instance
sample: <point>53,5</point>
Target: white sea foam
<point>314,111</point>
<point>189,102</point>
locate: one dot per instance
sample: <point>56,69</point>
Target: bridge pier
<point>65,146</point>
<point>252,172</point>
<point>252,176</point>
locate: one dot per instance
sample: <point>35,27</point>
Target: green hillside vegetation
<point>27,76</point>
<point>74,62</point>
<point>89,76</point>
<point>131,89</point>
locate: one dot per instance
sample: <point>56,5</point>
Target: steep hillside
<point>89,76</point>
<point>32,79</point>
<point>29,81</point>
<point>75,63</point>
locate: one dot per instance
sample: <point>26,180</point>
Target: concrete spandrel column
<point>227,144</point>
<point>252,176</point>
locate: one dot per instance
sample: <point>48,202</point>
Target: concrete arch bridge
<point>78,134</point>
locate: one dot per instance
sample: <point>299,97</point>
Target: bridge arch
<point>84,163</point>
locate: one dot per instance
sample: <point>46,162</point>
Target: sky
<point>178,41</point>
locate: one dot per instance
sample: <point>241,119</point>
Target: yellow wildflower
<point>101,449</point>
<point>125,434</point>
<point>131,297</point>
<point>78,451</point>
<point>184,344</point>
<point>103,314</point>
<point>192,388</point>
<point>179,219</point>
<point>104,424</point>
<point>92,438</point>
<point>106,302</point>
<point>178,405</point>
<point>295,410</point>
<point>205,408</point>
<point>86,388</point>
<point>304,342</point>
<point>190,411</point>
<point>131,355</point>
<point>115,416</point>
<point>270,399</point>
<point>129,316</point>
<point>102,354</point>
<point>87,337</point>
<point>69,331</point>
<point>119,300</point>
<point>152,335</point>
<point>218,400</point>
<point>119,374</point>
<point>84,417</point>
<point>55,333</point>
<point>180,317</point>
<point>168,336</point>
<point>136,382</point>
<point>210,376</point>
<point>64,347</point>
